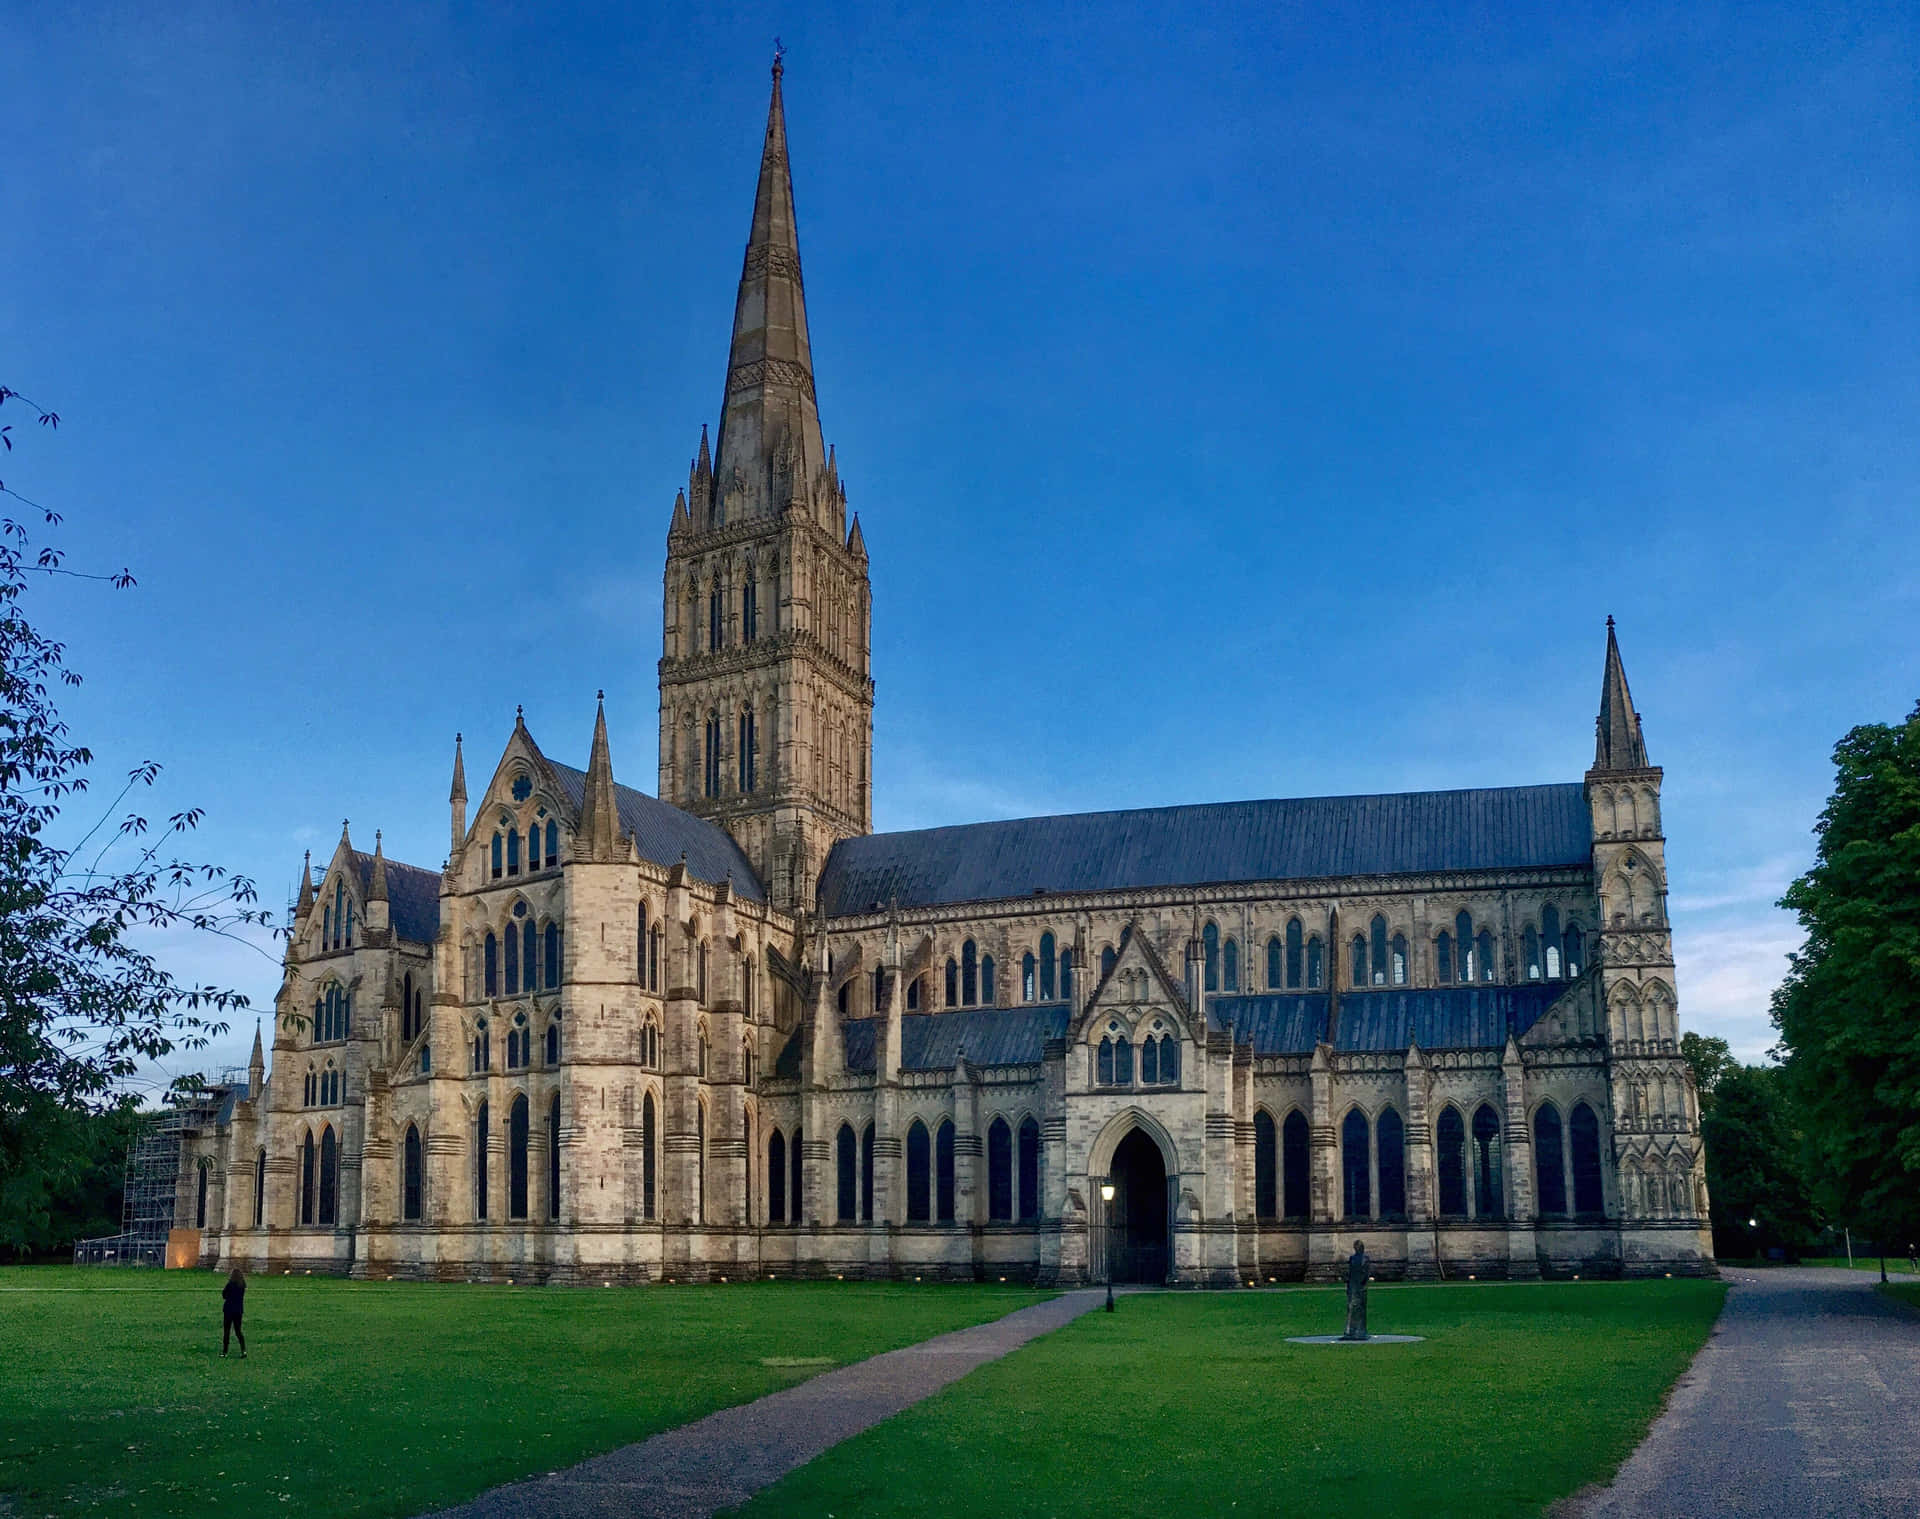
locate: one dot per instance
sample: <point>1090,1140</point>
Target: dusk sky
<point>1237,402</point>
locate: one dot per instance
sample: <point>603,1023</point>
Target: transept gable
<point>1135,986</point>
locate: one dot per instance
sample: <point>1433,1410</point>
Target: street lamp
<point>1106,1219</point>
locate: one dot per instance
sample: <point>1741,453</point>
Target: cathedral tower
<point>1659,1163</point>
<point>766,690</point>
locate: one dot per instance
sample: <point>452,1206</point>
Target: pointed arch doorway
<point>1138,1236</point>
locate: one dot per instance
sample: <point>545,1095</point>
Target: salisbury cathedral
<point>727,1030</point>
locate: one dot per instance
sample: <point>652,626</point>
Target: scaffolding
<point>153,1179</point>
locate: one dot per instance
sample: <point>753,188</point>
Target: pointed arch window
<point>530,940</point>
<point>1029,1170</point>
<point>796,1177</point>
<point>329,1178</point>
<point>410,1176</point>
<point>1108,958</point>
<point>953,982</point>
<point>711,778</point>
<point>1066,973</point>
<point>1584,1131</point>
<point>749,743</point>
<point>1390,1134</point>
<point>1450,1140</point>
<point>513,851</point>
<point>943,1171</point>
<point>1276,976</point>
<point>1316,964</point>
<point>1295,1166</point>
<point>480,1145</point>
<point>1489,1195</point>
<point>490,965</point>
<point>1397,960</point>
<point>499,845</point>
<point>750,606</point>
<point>1575,948</point>
<point>519,1044</point>
<point>1377,942</point>
<point>1046,967</point>
<point>1550,941</point>
<point>913,995</point>
<point>1484,953</point>
<point>919,1174</point>
<point>260,1189</point>
<point>1150,1061</point>
<point>846,1174</point>
<point>310,1090</point>
<point>1463,938</point>
<point>308,1165</point>
<point>1357,961</point>
<point>553,844</point>
<point>776,1178</point>
<point>551,947</point>
<point>648,1156</point>
<point>1296,955</point>
<point>1210,946</point>
<point>1356,1166</point>
<point>969,974</point>
<point>700,1162</point>
<point>513,960</point>
<point>1028,983</point>
<point>408,1028</point>
<point>200,1200</point>
<point>1530,953</point>
<point>553,1157</point>
<point>1230,966</point>
<point>716,619</point>
<point>1265,1193</point>
<point>866,1175</point>
<point>986,980</point>
<point>1104,1063</point>
<point>517,1158</point>
<point>1443,958</point>
<point>1549,1160</point>
<point>999,1172</point>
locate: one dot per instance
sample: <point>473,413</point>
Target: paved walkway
<point>727,1457</point>
<point>1804,1403</point>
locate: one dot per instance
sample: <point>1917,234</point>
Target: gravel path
<point>1804,1404</point>
<point>727,1457</point>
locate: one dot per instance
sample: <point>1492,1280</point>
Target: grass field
<point>386,1399</point>
<point>1896,1264</point>
<point>1907,1292</point>
<point>1184,1404</point>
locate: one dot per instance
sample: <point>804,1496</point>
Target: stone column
<point>1523,1259</point>
<point>1323,1250</point>
<point>1422,1245</point>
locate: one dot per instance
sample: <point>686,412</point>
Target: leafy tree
<point>83,1004</point>
<point>1849,1009</point>
<point>1756,1164</point>
<point>1711,1058</point>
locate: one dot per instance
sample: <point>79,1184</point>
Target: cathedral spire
<point>457,796</point>
<point>1618,743</point>
<point>377,886</point>
<point>599,830</point>
<point>304,904</point>
<point>769,449</point>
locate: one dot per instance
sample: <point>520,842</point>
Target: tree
<point>82,1003</point>
<point>1711,1058</point>
<point>1849,1009</point>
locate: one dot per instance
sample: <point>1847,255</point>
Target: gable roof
<point>413,897</point>
<point>662,833</point>
<point>1220,842</point>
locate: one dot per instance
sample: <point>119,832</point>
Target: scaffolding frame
<point>152,1187</point>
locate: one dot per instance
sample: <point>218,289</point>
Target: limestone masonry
<point>729,1031</point>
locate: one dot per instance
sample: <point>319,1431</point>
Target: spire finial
<point>1618,741</point>
<point>779,53</point>
<point>1609,622</point>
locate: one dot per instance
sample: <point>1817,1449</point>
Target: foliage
<point>1710,1058</point>
<point>75,1192</point>
<point>1756,1164</point>
<point>1194,1403</point>
<point>114,1399</point>
<point>83,1000</point>
<point>1848,1011</point>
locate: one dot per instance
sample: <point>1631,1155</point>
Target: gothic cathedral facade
<point>728,1030</point>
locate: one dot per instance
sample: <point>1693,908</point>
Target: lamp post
<point>1106,1221</point>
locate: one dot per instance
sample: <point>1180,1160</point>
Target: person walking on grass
<point>233,1300</point>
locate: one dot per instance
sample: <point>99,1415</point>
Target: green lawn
<point>1896,1264</point>
<point>1184,1404</point>
<point>386,1399</point>
<point>1906,1292</point>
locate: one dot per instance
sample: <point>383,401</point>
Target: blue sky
<point>1237,401</point>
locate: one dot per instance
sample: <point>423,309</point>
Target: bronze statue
<point>1358,1269</point>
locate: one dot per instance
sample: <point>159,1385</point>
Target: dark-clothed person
<point>233,1299</point>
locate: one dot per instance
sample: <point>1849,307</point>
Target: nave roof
<point>1212,843</point>
<point>413,897</point>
